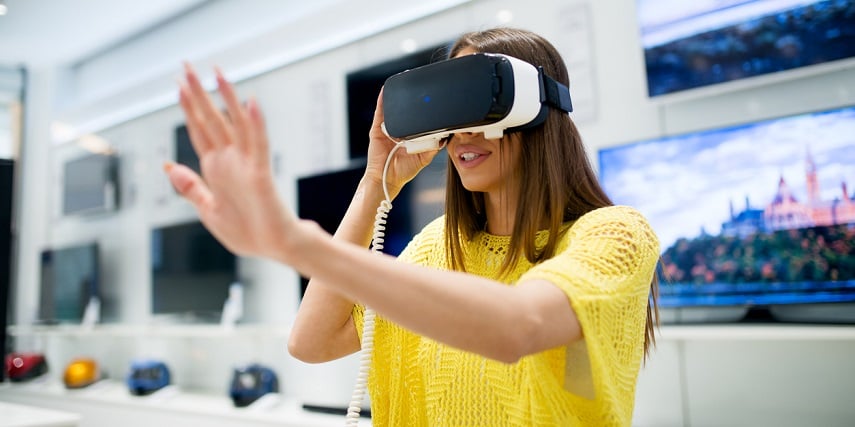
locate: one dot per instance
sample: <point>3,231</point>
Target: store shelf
<point>15,415</point>
<point>154,330</point>
<point>734,331</point>
<point>754,332</point>
<point>169,403</point>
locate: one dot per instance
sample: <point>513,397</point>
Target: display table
<point>108,403</point>
<point>17,415</point>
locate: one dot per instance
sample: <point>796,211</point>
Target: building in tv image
<point>753,215</point>
<point>690,44</point>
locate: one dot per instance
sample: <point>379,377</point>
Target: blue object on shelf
<point>147,376</point>
<point>251,382</point>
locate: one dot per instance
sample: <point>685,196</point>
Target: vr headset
<point>482,92</point>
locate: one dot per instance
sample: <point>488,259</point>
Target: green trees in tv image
<point>818,254</point>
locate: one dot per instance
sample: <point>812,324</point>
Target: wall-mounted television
<point>90,184</point>
<point>363,87</point>
<point>325,197</point>
<point>691,44</point>
<point>69,277</point>
<point>758,215</point>
<point>191,273</point>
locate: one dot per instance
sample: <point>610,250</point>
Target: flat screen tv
<point>90,184</point>
<point>69,277</point>
<point>325,197</point>
<point>191,273</point>
<point>758,215</point>
<point>363,87</point>
<point>691,44</point>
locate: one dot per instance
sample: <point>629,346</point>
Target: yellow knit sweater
<point>604,263</point>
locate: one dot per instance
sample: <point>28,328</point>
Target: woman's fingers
<point>237,113</point>
<point>376,125</point>
<point>211,129</point>
<point>189,185</point>
<point>199,138</point>
<point>257,135</point>
<point>215,127</point>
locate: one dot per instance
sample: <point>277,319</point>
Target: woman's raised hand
<point>236,195</point>
<point>403,167</point>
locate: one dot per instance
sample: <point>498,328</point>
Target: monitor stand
<point>814,313</point>
<point>680,315</point>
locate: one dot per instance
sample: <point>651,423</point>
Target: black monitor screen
<point>90,184</point>
<point>184,152</point>
<point>363,87</point>
<point>324,198</point>
<point>69,277</point>
<point>191,272</point>
<point>691,44</point>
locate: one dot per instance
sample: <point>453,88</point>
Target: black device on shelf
<point>70,277</point>
<point>90,184</point>
<point>191,272</point>
<point>363,87</point>
<point>689,45</point>
<point>756,216</point>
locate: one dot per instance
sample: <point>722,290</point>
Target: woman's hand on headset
<point>403,167</point>
<point>235,197</point>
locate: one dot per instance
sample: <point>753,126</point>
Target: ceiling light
<point>409,45</point>
<point>504,16</point>
<point>3,9</point>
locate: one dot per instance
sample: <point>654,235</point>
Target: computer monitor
<point>70,277</point>
<point>191,273</point>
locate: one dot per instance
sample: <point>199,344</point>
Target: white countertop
<point>15,415</point>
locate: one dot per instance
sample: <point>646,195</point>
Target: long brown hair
<point>554,171</point>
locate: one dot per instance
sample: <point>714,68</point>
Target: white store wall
<point>304,102</point>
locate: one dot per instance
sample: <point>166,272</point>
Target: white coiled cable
<point>377,239</point>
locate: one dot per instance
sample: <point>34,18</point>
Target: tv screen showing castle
<point>758,214</point>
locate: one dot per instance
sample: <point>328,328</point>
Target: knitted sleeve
<point>605,265</point>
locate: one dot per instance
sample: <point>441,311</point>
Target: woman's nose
<point>464,135</point>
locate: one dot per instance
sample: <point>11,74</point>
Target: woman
<point>530,302</point>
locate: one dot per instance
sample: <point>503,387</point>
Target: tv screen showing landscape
<point>692,44</point>
<point>760,214</point>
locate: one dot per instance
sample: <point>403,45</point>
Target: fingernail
<point>167,166</point>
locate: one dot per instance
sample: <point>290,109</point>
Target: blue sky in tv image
<point>687,183</point>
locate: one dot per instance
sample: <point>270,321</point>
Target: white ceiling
<point>43,32</point>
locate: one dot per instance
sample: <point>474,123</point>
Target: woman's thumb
<point>188,183</point>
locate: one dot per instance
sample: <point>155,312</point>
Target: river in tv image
<point>758,214</point>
